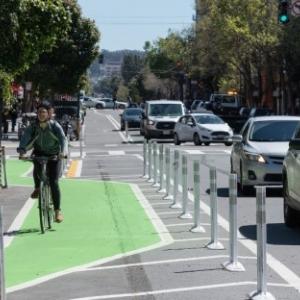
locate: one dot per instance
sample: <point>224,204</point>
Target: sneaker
<point>58,216</point>
<point>35,194</point>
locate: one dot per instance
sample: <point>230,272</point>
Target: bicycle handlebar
<point>42,158</point>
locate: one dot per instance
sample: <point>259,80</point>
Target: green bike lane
<point>102,220</point>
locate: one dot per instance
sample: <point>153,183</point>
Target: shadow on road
<point>21,232</point>
<point>224,193</point>
<point>277,234</point>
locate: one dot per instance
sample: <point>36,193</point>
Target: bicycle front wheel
<point>44,211</point>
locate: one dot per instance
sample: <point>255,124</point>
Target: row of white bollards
<point>169,162</point>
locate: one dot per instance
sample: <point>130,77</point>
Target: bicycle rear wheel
<point>44,207</point>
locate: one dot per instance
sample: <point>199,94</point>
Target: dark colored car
<point>132,116</point>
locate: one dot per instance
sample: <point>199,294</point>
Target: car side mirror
<point>237,138</point>
<point>294,144</point>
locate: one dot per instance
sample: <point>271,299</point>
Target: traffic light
<point>283,11</point>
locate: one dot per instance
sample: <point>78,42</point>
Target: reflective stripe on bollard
<point>175,203</point>
<point>197,227</point>
<point>185,205</point>
<point>214,243</point>
<point>261,232</point>
<point>233,264</point>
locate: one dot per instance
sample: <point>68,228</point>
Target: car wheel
<point>228,143</point>
<point>176,139</point>
<point>99,106</point>
<point>207,143</point>
<point>290,214</point>
<point>197,140</point>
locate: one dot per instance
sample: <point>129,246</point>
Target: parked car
<point>202,128</point>
<point>258,152</point>
<point>132,116</point>
<point>159,118</point>
<point>291,187</point>
<point>257,112</point>
<point>91,102</point>
<point>104,103</point>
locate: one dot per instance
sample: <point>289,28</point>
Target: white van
<point>160,117</point>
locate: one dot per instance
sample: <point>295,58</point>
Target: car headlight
<point>255,157</point>
<point>150,122</point>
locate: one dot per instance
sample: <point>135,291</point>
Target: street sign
<point>295,11</point>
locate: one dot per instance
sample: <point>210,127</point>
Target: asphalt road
<point>181,267</point>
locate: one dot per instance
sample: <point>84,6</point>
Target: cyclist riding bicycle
<point>46,137</point>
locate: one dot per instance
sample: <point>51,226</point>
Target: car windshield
<point>208,119</point>
<point>166,110</point>
<point>195,104</point>
<point>133,112</point>
<point>272,131</point>
<point>225,99</point>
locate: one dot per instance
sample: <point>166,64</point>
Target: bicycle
<point>45,204</point>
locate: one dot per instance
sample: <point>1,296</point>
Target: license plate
<point>166,132</point>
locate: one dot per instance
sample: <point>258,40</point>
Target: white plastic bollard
<point>168,195</point>
<point>2,276</point>
<point>197,227</point>
<point>261,232</point>
<point>150,150</point>
<point>155,171</point>
<point>126,131</point>
<point>175,203</point>
<point>185,204</point>
<point>161,169</point>
<point>145,159</point>
<point>233,264</point>
<point>214,243</point>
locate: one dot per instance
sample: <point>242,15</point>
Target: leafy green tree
<point>61,70</point>
<point>27,29</point>
<point>132,66</point>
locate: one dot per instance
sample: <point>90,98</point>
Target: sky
<point>127,24</point>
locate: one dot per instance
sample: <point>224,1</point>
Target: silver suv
<point>291,179</point>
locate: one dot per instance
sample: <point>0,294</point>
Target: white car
<point>90,102</point>
<point>291,187</point>
<point>258,152</point>
<point>202,128</point>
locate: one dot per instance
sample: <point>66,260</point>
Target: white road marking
<point>168,213</point>
<point>75,154</point>
<point>165,237</point>
<point>79,168</point>
<point>117,126</point>
<point>161,203</point>
<point>198,239</point>
<point>194,151</point>
<point>177,290</point>
<point>116,152</point>
<point>111,145</point>
<point>18,221</point>
<point>139,157</point>
<point>153,263</point>
<point>186,224</point>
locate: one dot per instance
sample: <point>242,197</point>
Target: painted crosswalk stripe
<point>116,152</point>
